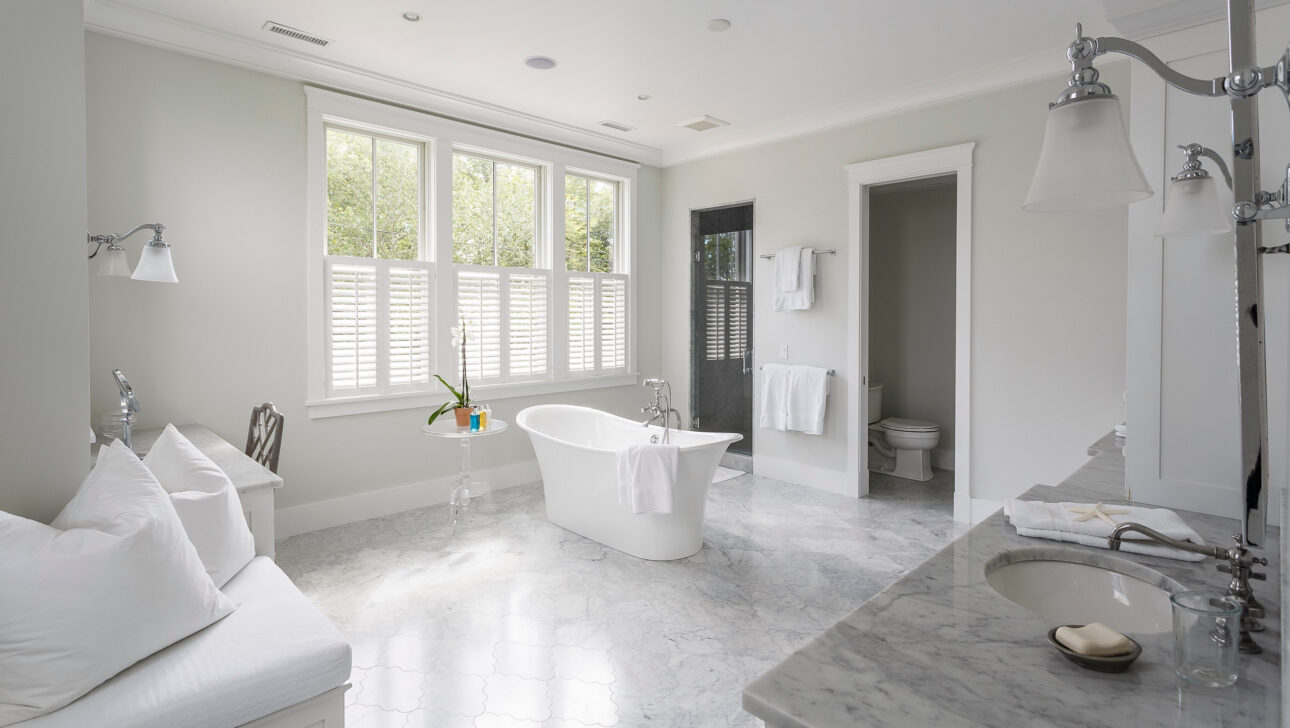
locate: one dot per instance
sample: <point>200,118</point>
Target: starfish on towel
<point>1098,511</point>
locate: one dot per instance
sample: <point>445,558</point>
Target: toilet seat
<point>898,424</point>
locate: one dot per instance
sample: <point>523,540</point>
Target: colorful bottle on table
<point>474,420</point>
<point>483,417</point>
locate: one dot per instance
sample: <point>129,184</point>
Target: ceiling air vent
<point>616,125</point>
<point>704,123</point>
<point>295,33</point>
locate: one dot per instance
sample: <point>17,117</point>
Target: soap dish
<point>1114,663</point>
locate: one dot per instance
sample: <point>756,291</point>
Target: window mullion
<point>374,234</point>
<point>596,333</point>
<point>494,214</point>
<point>382,325</point>
<point>558,291</point>
<point>504,325</point>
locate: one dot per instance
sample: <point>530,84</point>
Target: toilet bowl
<point>907,444</point>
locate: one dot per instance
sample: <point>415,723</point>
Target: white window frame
<point>446,136</point>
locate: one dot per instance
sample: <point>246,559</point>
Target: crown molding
<point>1034,68</point>
<point>119,19</point>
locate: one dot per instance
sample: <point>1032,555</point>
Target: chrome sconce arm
<point>154,263</point>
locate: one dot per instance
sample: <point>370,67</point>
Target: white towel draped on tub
<point>802,296</point>
<point>1059,522</point>
<point>647,476</point>
<point>793,397</point>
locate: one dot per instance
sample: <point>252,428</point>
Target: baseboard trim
<point>943,459</point>
<point>791,471</point>
<point>982,509</point>
<point>373,504</point>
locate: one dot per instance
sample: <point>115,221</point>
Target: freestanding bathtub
<point>576,451</point>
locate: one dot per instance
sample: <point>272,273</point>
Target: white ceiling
<point>783,68</point>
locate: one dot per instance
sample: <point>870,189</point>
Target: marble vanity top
<point>941,648</point>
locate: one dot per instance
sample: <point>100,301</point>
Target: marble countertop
<point>941,648</point>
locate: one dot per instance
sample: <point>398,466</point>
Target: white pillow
<point>111,581</point>
<point>207,504</point>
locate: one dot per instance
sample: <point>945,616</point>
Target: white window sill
<point>341,407</point>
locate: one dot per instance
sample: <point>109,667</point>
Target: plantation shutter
<point>409,325</point>
<point>352,325</point>
<point>613,323</point>
<point>739,310</point>
<point>527,337</point>
<point>479,303</point>
<point>582,324</point>
<point>714,339</point>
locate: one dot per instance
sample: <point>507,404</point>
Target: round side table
<point>465,488</point>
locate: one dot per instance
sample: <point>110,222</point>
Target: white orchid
<point>461,335</point>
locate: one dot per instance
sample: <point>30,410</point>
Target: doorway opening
<point>721,365</point>
<point>953,164</point>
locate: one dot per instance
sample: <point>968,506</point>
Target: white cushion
<point>207,503</point>
<point>112,580</point>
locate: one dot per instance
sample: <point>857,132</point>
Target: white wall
<point>1048,293</point>
<point>911,305</point>
<point>44,321</point>
<point>1184,434</point>
<point>217,153</point>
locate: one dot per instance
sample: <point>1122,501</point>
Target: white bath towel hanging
<point>647,477</point>
<point>774,397</point>
<point>808,392</point>
<point>802,297</point>
<point>787,266</point>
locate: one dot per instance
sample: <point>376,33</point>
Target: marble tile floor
<point>514,622</point>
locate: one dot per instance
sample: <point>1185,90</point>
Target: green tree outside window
<point>373,196</point>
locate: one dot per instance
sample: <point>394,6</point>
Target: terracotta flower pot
<point>463,416</point>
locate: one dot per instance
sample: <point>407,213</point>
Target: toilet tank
<point>875,403</point>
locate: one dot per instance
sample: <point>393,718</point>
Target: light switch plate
<point>783,351</point>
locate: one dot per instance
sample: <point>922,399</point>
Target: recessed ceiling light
<point>716,25</point>
<point>643,97</point>
<point>412,17</point>
<point>541,63</point>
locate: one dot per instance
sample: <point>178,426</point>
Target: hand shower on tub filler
<point>660,407</point>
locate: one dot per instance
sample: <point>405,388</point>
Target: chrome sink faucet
<point>660,407</point>
<point>1237,561</point>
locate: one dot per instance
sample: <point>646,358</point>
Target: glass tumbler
<point>1207,628</point>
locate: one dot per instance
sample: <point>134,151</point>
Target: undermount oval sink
<point>1067,586</point>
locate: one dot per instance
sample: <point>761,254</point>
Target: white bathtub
<point>576,449</point>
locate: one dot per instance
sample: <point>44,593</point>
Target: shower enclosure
<point>721,356</point>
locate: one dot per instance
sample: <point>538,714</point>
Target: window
<point>418,222</point>
<point>597,303</point>
<point>378,287</point>
<point>501,293</point>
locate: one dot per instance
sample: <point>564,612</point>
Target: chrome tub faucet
<point>660,408</point>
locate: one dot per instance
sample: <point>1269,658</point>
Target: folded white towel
<point>808,391</point>
<point>1056,521</point>
<point>787,264</point>
<point>774,396</point>
<point>802,297</point>
<point>647,477</point>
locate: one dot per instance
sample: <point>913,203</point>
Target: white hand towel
<point>802,297</point>
<point>787,265</point>
<point>647,477</point>
<point>1056,522</point>
<point>808,390</point>
<point>774,397</point>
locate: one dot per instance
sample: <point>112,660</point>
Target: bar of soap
<point>1094,640</point>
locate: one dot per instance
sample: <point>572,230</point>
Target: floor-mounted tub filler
<point>577,453</point>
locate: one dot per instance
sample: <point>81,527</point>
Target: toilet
<point>906,444</point>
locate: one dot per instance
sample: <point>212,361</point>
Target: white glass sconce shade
<point>1192,208</point>
<point>1086,161</point>
<point>114,263</point>
<point>155,265</point>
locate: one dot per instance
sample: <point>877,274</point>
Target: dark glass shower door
<point>721,322</point>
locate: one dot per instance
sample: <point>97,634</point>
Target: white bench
<point>276,662</point>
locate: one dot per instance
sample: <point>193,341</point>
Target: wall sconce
<point>154,261</point>
<point>1192,207</point>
